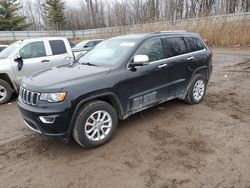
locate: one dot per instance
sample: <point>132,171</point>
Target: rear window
<point>173,46</point>
<point>57,47</point>
<point>193,44</point>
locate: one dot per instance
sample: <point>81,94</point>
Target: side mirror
<point>140,60</point>
<point>19,60</point>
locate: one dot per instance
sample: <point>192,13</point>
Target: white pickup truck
<point>27,57</point>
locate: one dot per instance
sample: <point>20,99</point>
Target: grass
<point>220,33</point>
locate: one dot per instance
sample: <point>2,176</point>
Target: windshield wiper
<point>89,64</point>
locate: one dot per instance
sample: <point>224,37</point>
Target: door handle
<point>163,65</point>
<point>45,60</point>
<point>190,58</point>
<point>68,57</point>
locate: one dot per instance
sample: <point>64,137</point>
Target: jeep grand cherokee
<point>119,77</point>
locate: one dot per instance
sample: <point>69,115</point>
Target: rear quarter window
<point>173,46</point>
<point>193,44</point>
<point>57,47</point>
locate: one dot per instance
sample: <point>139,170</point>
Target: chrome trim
<point>42,118</point>
<point>163,65</point>
<point>37,131</point>
<point>27,96</point>
<point>165,59</point>
<point>190,58</point>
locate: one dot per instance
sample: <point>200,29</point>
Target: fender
<point>6,77</point>
<point>107,94</point>
<point>205,68</point>
<point>192,77</point>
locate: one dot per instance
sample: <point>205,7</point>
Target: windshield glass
<point>7,51</point>
<point>109,53</point>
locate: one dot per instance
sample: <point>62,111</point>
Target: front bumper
<point>58,129</point>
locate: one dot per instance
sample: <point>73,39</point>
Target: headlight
<point>53,97</point>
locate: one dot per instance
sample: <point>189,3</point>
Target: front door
<point>35,59</point>
<point>147,85</point>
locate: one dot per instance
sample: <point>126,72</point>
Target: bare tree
<point>105,13</point>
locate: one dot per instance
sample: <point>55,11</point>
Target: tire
<point>6,92</point>
<point>85,126</point>
<point>192,96</point>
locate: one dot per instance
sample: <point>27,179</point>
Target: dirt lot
<point>171,145</point>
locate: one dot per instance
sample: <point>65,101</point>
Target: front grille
<point>28,97</point>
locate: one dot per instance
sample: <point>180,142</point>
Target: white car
<point>2,47</point>
<point>84,46</point>
<point>26,57</point>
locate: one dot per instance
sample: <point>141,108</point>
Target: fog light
<point>47,119</point>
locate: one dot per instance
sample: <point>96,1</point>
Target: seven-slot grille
<point>28,97</point>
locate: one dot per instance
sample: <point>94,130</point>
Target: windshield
<point>109,53</point>
<point>7,51</point>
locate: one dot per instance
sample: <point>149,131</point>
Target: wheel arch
<point>6,78</point>
<point>202,71</point>
<point>109,97</point>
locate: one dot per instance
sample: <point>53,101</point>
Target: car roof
<point>155,34</point>
<point>91,40</point>
<point>43,38</point>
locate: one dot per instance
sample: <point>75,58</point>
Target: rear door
<point>35,59</point>
<point>177,60</point>
<point>60,55</point>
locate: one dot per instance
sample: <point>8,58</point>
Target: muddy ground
<point>171,145</point>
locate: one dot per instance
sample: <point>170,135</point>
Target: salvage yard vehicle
<point>119,77</point>
<point>26,57</point>
<point>2,47</point>
<point>85,46</point>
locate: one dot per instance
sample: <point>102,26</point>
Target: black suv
<point>119,77</point>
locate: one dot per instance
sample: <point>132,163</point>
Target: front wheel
<point>95,124</point>
<point>197,90</point>
<point>6,91</point>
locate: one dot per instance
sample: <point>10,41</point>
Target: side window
<point>153,49</point>
<point>173,46</point>
<point>89,44</point>
<point>33,50</point>
<point>57,47</point>
<point>193,44</point>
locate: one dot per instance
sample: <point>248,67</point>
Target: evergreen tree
<point>54,10</point>
<point>9,19</point>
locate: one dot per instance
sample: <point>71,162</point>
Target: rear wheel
<point>6,91</point>
<point>197,90</point>
<point>95,124</point>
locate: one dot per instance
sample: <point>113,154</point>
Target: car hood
<point>57,78</point>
